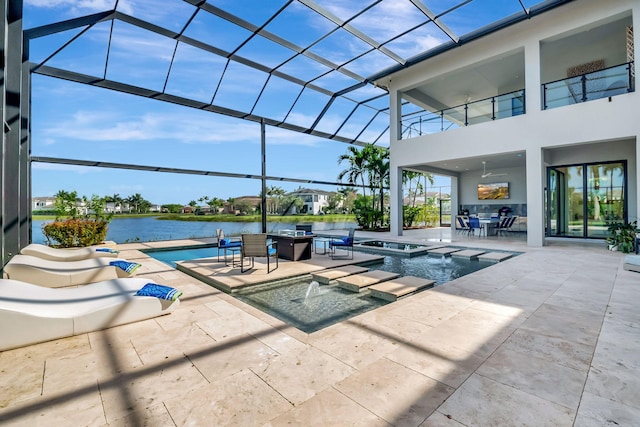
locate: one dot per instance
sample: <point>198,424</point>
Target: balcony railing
<point>588,87</point>
<point>497,107</point>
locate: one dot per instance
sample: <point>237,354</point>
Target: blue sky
<point>82,122</point>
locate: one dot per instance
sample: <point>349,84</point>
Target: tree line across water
<point>367,170</point>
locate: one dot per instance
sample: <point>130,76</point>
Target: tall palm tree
<point>135,201</point>
<point>357,167</point>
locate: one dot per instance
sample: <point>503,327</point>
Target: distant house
<point>43,203</point>
<point>314,201</point>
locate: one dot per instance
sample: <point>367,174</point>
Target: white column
<point>532,81</point>
<point>535,197</point>
<point>395,173</point>
<point>455,202</point>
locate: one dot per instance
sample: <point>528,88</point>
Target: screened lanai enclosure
<point>164,95</point>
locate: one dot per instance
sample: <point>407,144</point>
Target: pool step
<point>495,256</point>
<point>467,253</point>
<point>442,251</point>
<point>324,277</point>
<point>393,289</point>
<point>359,282</point>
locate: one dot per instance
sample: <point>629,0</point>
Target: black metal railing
<point>599,84</point>
<point>496,107</point>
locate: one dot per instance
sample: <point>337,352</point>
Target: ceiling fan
<point>486,174</point>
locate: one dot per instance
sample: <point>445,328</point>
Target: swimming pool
<point>308,306</point>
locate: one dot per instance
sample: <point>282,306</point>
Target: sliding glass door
<point>582,199</point>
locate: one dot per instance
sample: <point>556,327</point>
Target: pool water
<point>306,305</point>
<point>172,256</point>
<point>391,245</point>
<point>310,307</point>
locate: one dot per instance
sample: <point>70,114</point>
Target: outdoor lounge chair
<point>256,245</point>
<point>57,274</point>
<point>226,244</point>
<point>71,254</point>
<point>344,242</point>
<point>33,314</point>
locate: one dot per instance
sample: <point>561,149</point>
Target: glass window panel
<point>364,93</point>
<point>369,63</point>
<point>277,98</point>
<point>344,10</point>
<point>307,109</point>
<point>91,47</point>
<point>173,14</point>
<point>304,68</point>
<point>139,57</point>
<point>195,73</point>
<point>356,123</point>
<point>256,12</point>
<point>380,103</point>
<point>33,15</point>
<point>240,87</point>
<point>478,14</point>
<point>387,19</point>
<point>340,47</point>
<point>90,124</point>
<point>300,25</point>
<point>418,41</point>
<point>335,81</point>
<point>217,32</point>
<point>289,154</point>
<point>335,115</point>
<point>266,52</point>
<point>379,126</point>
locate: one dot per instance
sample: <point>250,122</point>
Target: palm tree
<point>136,201</point>
<point>357,167</point>
<point>377,167</point>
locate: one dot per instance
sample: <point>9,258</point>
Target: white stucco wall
<point>575,127</point>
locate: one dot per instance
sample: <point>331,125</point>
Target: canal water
<point>149,229</point>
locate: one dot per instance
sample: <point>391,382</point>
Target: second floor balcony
<point>496,107</point>
<point>598,84</point>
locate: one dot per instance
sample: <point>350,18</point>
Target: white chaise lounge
<point>72,254</point>
<point>31,314</point>
<point>57,274</point>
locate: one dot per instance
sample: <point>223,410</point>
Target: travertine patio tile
<point>536,376</point>
<point>438,419</point>
<point>357,347</point>
<point>21,381</point>
<point>154,415</point>
<point>162,345</point>
<point>147,385</point>
<point>397,394</point>
<point>481,401</point>
<point>240,400</point>
<point>186,316</point>
<point>556,350</point>
<point>481,340</point>
<point>561,322</point>
<point>450,365</point>
<point>429,311</point>
<point>527,300</point>
<point>230,322</point>
<point>597,411</point>
<point>82,408</point>
<point>328,408</point>
<point>281,342</point>
<point>300,376</point>
<point>390,325</point>
<point>227,357</point>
